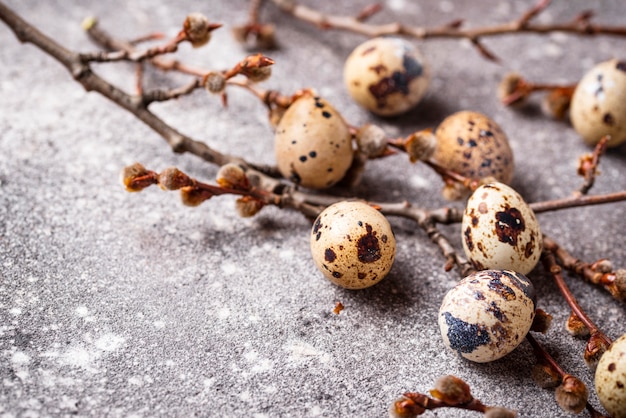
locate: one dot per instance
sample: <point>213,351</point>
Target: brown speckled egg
<point>487,314</point>
<point>387,76</point>
<point>500,231</point>
<point>610,378</point>
<point>352,244</point>
<point>473,145</point>
<point>598,105</point>
<point>313,144</point>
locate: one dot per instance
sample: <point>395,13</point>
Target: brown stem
<point>577,201</point>
<point>591,272</point>
<point>579,26</point>
<point>588,167</point>
<point>550,264</point>
<point>544,357</point>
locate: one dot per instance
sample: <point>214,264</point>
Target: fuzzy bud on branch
<point>197,29</point>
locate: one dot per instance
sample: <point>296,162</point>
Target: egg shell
<point>487,314</point>
<point>313,144</point>
<point>387,76</point>
<point>500,231</point>
<point>352,244</point>
<point>610,379</point>
<point>598,105</point>
<point>473,145</point>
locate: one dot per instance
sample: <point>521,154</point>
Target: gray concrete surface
<point>132,305</point>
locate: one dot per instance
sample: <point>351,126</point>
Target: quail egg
<point>352,244</point>
<point>487,314</point>
<point>471,144</point>
<point>598,106</point>
<point>387,76</point>
<point>610,378</point>
<point>313,144</point>
<point>500,231</point>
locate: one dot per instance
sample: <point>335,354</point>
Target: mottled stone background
<point>117,304</point>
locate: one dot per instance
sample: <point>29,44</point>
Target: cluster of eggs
<point>488,313</point>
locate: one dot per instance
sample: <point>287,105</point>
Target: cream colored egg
<point>487,314</point>
<point>473,145</point>
<point>610,378</point>
<point>352,244</point>
<point>500,230</point>
<point>387,76</point>
<point>598,105</point>
<point>313,144</point>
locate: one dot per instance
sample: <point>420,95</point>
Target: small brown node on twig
<point>405,408</point>
<point>451,390</point>
<point>136,177</point>
<point>576,327</point>
<point>572,394</point>
<point>596,346</point>
<point>197,29</point>
<point>248,206</point>
<point>173,179</point>
<point>541,322</point>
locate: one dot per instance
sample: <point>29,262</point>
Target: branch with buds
<point>580,25</point>
<point>449,392</point>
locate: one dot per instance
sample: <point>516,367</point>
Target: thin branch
<point>577,201</point>
<point>599,273</point>
<point>83,74</point>
<point>545,358</point>
<point>581,25</point>
<point>588,166</point>
<point>555,271</point>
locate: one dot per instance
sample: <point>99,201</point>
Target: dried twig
<point>599,272</point>
<point>588,166</point>
<point>564,397</point>
<point>449,392</point>
<point>580,25</point>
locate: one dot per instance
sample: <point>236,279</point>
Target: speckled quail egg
<point>500,231</point>
<point>487,314</point>
<point>610,378</point>
<point>598,105</point>
<point>387,76</point>
<point>352,244</point>
<point>471,144</point>
<point>313,144</point>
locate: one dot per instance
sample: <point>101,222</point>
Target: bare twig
<point>600,272</point>
<point>588,166</point>
<point>555,271</point>
<point>580,25</point>
<point>544,357</point>
<point>577,201</point>
<point>449,392</point>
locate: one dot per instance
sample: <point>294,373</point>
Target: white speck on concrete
<point>109,342</point>
<point>79,357</point>
<point>263,365</point>
<point>159,324</point>
<point>229,268</point>
<point>287,254</point>
<point>20,358</point>
<point>223,313</point>
<point>15,311</point>
<point>82,311</point>
<point>301,351</point>
<point>135,381</point>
